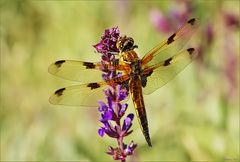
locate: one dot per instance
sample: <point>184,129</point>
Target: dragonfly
<point>142,76</point>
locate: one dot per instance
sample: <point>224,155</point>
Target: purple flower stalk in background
<point>231,23</point>
<point>159,21</point>
<point>180,11</point>
<point>168,22</point>
<point>113,110</point>
<point>231,20</point>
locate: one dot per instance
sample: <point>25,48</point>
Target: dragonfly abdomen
<point>142,119</point>
<point>137,97</point>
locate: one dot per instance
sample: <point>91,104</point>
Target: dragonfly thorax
<point>136,68</point>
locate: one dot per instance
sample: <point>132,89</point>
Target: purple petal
<point>107,92</point>
<point>105,76</point>
<point>209,33</point>
<point>100,48</point>
<point>131,116</point>
<point>231,20</point>
<point>130,148</point>
<point>108,115</point>
<point>110,102</point>
<point>101,131</point>
<point>102,106</point>
<point>127,122</point>
<point>123,108</point>
<point>112,74</point>
<point>111,132</point>
<point>132,145</point>
<point>122,93</point>
<point>111,58</point>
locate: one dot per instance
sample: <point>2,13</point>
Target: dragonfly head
<point>125,44</point>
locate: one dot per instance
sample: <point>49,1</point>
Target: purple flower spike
<point>231,20</point>
<point>160,22</point>
<point>113,110</point>
<point>209,33</point>
<point>178,15</point>
<point>108,43</point>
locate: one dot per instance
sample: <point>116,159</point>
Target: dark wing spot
<point>89,65</point>
<point>59,63</point>
<point>93,85</point>
<point>167,62</point>
<point>190,50</point>
<point>192,21</point>
<point>171,38</point>
<point>60,91</point>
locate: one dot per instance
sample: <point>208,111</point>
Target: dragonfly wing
<point>78,95</point>
<point>172,45</point>
<point>84,72</point>
<point>163,72</point>
<point>84,94</point>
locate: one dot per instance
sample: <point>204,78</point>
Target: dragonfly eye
<point>128,44</point>
<point>120,42</point>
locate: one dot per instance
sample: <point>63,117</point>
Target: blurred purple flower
<point>181,11</point>
<point>159,21</point>
<point>231,20</point>
<point>209,33</point>
<point>178,15</point>
<point>231,71</point>
<point>231,62</point>
<point>113,110</point>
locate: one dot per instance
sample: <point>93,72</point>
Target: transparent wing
<point>172,45</point>
<point>78,95</point>
<point>84,94</point>
<point>163,72</point>
<point>84,72</point>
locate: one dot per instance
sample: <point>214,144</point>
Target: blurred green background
<point>194,117</point>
